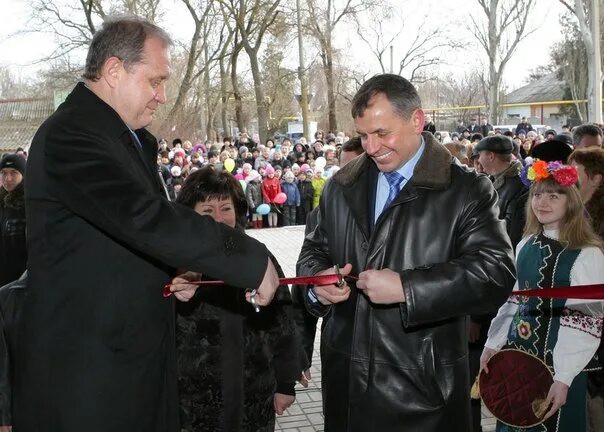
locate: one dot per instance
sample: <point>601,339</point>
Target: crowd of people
<point>429,233</point>
<point>287,178</point>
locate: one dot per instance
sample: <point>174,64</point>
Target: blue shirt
<point>383,188</point>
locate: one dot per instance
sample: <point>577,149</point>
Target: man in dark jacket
<point>495,156</point>
<point>485,127</point>
<point>524,125</point>
<point>11,299</point>
<point>423,235</point>
<point>96,340</point>
<point>13,251</point>
<point>589,162</point>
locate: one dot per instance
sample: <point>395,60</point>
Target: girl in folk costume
<point>559,249</point>
<point>271,187</point>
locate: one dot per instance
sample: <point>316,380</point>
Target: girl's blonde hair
<point>575,230</point>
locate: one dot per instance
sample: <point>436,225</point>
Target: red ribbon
<point>594,292</point>
<point>329,279</point>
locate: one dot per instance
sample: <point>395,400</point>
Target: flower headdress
<point>564,175</point>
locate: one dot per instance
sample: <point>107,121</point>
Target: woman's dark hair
<point>208,184</point>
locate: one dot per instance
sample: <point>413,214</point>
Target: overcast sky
<point>20,52</point>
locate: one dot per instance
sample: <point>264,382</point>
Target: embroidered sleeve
<point>500,325</point>
<point>581,320</point>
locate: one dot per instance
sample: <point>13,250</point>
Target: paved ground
<point>306,414</point>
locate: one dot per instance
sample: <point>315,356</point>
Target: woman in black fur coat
<point>237,367</point>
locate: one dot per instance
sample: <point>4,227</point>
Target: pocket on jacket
<point>433,371</point>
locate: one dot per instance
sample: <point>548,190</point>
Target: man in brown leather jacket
<point>423,235</point>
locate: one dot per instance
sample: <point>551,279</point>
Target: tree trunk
<point>235,85</point>
<point>224,98</point>
<point>331,95</point>
<point>186,83</point>
<point>594,69</point>
<point>493,73</point>
<point>206,85</point>
<point>259,92</point>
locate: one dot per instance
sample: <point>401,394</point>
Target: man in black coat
<point>13,251</point>
<point>524,125</point>
<point>96,344</point>
<point>423,236</point>
<point>11,300</point>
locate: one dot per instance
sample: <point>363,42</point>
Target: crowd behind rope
<point>287,177</point>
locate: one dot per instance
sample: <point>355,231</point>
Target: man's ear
<point>112,71</point>
<point>419,118</point>
<point>598,179</point>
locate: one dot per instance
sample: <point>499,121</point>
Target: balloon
<point>320,162</point>
<point>243,185</point>
<point>229,164</point>
<point>280,198</point>
<point>263,209</point>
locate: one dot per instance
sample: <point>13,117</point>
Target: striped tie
<point>394,182</point>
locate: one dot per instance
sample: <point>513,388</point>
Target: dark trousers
<point>289,215</point>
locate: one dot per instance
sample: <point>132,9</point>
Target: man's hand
<point>282,402</point>
<point>382,286</point>
<point>182,290</point>
<point>331,294</point>
<point>266,291</point>
<point>474,332</point>
<point>487,353</point>
<point>304,379</point>
<point>556,397</point>
<point>6,428</point>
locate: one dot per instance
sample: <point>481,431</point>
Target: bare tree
<point>208,35</point>
<point>415,54</point>
<point>587,13</point>
<point>324,16</point>
<point>253,19</point>
<point>505,28</point>
<point>145,8</point>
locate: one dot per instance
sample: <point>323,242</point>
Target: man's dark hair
<point>476,136</point>
<point>353,145</point>
<point>121,37</point>
<point>176,141</point>
<point>509,134</point>
<point>586,129</point>
<point>400,93</point>
<point>227,139</point>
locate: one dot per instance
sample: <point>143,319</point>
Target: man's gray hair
<point>122,37</point>
<point>401,94</point>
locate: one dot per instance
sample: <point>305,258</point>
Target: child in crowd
<point>293,199</point>
<point>307,194</point>
<point>559,249</point>
<point>318,183</point>
<point>271,187</point>
<point>253,196</point>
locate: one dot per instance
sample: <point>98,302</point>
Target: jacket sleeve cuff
<point>286,388</point>
<point>316,308</point>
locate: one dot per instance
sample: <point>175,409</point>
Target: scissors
<point>253,300</point>
<point>341,282</point>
